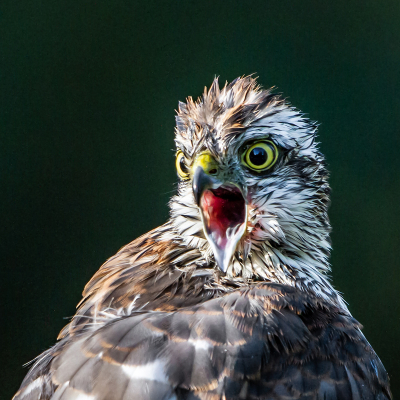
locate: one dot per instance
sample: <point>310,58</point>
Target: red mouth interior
<point>223,213</point>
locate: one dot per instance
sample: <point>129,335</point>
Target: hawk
<point>230,298</point>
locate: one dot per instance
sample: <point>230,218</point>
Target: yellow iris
<point>181,165</point>
<point>260,156</point>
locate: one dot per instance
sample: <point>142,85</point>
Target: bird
<point>231,298</point>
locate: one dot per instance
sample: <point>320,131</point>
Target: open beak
<point>223,209</point>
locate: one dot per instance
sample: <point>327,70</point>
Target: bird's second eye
<point>181,166</point>
<point>260,156</point>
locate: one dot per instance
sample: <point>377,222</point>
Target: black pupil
<point>258,156</point>
<point>183,165</point>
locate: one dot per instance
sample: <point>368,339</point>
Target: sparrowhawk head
<point>253,189</point>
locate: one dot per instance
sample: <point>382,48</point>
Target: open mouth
<point>224,216</point>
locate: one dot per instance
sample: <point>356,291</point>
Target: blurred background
<point>88,91</point>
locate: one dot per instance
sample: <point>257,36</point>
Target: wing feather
<point>268,342</point>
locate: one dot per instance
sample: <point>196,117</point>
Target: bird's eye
<point>181,166</point>
<point>260,156</point>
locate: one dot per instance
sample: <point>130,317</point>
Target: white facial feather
<point>287,238</point>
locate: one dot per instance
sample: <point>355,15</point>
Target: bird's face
<point>251,179</point>
<point>222,184</point>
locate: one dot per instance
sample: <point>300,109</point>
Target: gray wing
<point>271,342</point>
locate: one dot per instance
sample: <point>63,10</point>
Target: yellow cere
<point>260,156</point>
<point>207,162</point>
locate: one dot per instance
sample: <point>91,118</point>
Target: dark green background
<point>88,91</point>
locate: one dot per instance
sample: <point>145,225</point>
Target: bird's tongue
<point>224,219</point>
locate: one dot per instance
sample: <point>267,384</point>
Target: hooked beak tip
<point>223,209</point>
<point>224,216</point>
<point>223,260</point>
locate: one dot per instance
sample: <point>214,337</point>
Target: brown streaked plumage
<point>193,310</point>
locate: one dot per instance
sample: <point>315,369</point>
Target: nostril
<point>212,171</point>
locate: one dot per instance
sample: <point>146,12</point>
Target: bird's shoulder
<point>153,272</point>
<point>264,341</point>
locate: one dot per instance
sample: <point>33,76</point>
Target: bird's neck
<point>262,261</point>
